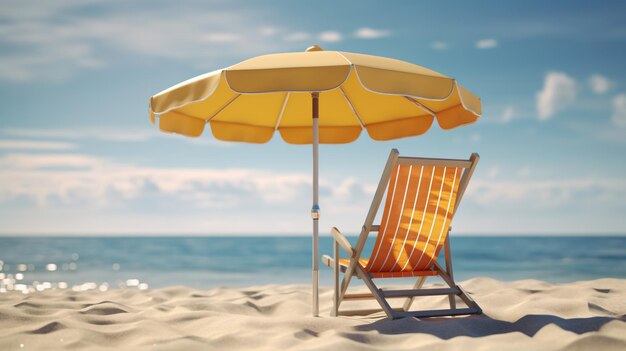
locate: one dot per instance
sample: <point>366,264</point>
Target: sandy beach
<point>519,315</point>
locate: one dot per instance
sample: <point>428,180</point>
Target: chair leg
<point>469,301</point>
<point>452,301</point>
<point>448,257</point>
<point>335,310</point>
<point>466,298</point>
<point>409,300</point>
<point>375,292</point>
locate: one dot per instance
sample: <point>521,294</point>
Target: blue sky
<point>79,156</point>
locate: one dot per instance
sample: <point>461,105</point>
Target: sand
<point>521,315</point>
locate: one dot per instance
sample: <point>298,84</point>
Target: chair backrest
<point>422,197</point>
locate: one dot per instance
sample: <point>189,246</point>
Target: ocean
<point>85,263</point>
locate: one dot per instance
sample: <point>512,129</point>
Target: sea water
<point>86,263</point>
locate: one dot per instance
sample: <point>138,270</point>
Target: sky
<point>78,155</point>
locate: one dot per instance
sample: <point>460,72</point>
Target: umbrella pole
<point>315,210</point>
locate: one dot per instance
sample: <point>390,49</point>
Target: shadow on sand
<point>483,325</point>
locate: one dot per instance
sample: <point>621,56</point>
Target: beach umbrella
<point>314,97</point>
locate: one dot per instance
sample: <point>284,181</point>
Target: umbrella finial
<point>314,47</point>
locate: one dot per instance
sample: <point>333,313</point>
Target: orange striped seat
<point>415,221</point>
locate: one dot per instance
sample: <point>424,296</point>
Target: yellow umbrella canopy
<point>248,101</point>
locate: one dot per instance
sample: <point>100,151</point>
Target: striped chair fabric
<point>419,206</point>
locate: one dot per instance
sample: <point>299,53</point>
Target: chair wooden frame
<point>380,295</point>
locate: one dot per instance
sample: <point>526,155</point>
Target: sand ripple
<point>521,315</point>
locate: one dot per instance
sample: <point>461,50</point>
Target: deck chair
<point>422,196</point>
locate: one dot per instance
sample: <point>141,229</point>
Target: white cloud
<point>72,178</point>
<point>298,36</point>
<point>559,91</point>
<point>619,110</point>
<point>493,171</point>
<point>600,84</point>
<point>35,145</point>
<point>440,45</point>
<point>268,31</point>
<point>29,162</point>
<point>533,194</point>
<point>105,134</point>
<point>221,37</point>
<point>507,114</point>
<point>45,41</point>
<point>217,200</point>
<point>19,9</point>
<point>46,61</point>
<point>370,33</point>
<point>524,172</point>
<point>518,202</point>
<point>330,36</point>
<point>604,132</point>
<point>486,44</point>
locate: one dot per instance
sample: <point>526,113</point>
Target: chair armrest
<point>342,241</point>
